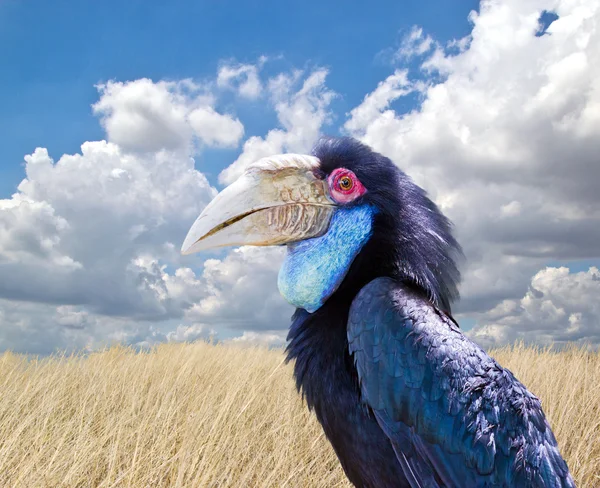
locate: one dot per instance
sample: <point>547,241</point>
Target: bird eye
<point>345,183</point>
<point>344,186</point>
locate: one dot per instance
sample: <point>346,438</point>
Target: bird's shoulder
<point>390,316</point>
<point>417,371</point>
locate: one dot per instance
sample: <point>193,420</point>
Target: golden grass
<point>202,415</point>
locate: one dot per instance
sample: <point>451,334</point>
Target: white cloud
<point>142,115</point>
<point>89,244</point>
<point>39,328</point>
<point>251,338</point>
<point>301,113</point>
<point>31,230</point>
<point>242,78</point>
<point>87,220</point>
<point>376,103</point>
<point>506,142</point>
<point>558,307</point>
<point>242,289</point>
<point>415,43</point>
<point>36,328</point>
<point>215,129</point>
<point>190,333</point>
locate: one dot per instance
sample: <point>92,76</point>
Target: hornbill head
<point>347,215</point>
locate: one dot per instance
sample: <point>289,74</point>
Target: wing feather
<point>453,415</point>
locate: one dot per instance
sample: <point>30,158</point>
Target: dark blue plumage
<point>404,398</point>
<point>452,414</point>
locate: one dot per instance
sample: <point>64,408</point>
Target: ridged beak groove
<point>277,200</point>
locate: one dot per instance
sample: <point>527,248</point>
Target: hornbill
<point>405,398</point>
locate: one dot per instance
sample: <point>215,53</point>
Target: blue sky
<point>499,124</point>
<point>54,53</point>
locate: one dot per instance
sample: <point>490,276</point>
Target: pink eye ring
<point>344,186</point>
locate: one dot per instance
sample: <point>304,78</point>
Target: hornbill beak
<point>277,200</point>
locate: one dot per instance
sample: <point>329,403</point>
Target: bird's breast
<point>324,373</point>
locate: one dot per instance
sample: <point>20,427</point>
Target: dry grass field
<point>202,415</point>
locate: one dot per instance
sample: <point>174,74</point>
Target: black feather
<point>404,398</point>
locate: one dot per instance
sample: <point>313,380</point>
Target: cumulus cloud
<point>89,243</point>
<point>242,78</point>
<point>143,115</point>
<point>88,219</point>
<point>505,140</point>
<point>190,333</point>
<point>302,112</point>
<point>251,338</point>
<point>150,336</point>
<point>38,328</point>
<point>378,101</point>
<point>243,289</point>
<point>415,43</point>
<point>559,307</point>
<point>86,240</point>
<point>215,129</point>
<point>31,230</point>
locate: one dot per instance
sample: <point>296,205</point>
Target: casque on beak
<point>277,200</point>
